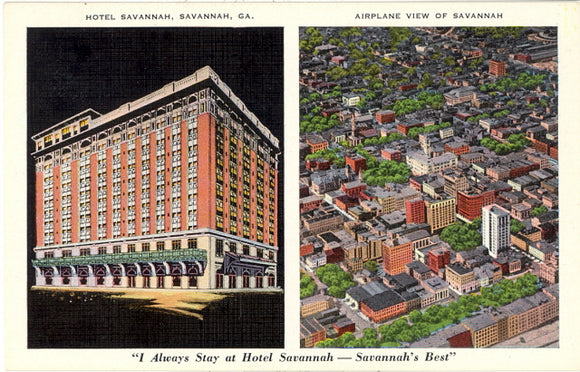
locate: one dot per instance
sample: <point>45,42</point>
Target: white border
<point>290,15</point>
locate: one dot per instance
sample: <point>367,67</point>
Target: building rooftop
<point>553,290</point>
<point>479,322</point>
<point>459,269</point>
<point>124,111</point>
<point>315,298</point>
<point>439,339</point>
<point>309,326</point>
<point>419,267</point>
<point>383,300</point>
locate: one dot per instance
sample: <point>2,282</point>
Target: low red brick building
<point>404,127</point>
<point>306,249</point>
<point>438,259</point>
<point>353,188</point>
<point>344,325</point>
<point>318,164</point>
<point>383,306</point>
<point>345,202</point>
<point>462,339</point>
<point>392,154</point>
<point>457,147</point>
<point>385,116</point>
<point>311,332</point>
<point>356,162</point>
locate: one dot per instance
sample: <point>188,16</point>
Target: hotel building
<point>178,189</point>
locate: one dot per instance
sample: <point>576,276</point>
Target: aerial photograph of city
<point>429,187</point>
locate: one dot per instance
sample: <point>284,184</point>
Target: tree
<point>398,34</point>
<point>376,84</point>
<point>371,266</point>
<point>314,96</point>
<point>337,279</point>
<point>379,173</point>
<point>370,333</point>
<point>516,226</point>
<point>539,210</point>
<point>415,316</point>
<point>449,61</point>
<point>426,81</point>
<point>370,95</point>
<point>461,237</point>
<point>476,62</point>
<point>496,32</point>
<point>516,142</point>
<point>344,339</point>
<point>476,224</point>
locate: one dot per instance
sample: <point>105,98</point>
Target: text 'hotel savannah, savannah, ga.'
<point>177,189</point>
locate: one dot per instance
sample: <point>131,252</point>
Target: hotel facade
<point>178,189</point>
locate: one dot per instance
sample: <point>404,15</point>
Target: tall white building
<point>495,228</point>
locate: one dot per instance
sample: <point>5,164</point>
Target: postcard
<point>290,186</point>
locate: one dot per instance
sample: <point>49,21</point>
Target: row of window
<point>131,248</point>
<point>223,245</point>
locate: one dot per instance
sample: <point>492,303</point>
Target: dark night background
<point>73,69</point>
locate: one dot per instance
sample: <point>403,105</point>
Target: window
<point>116,249</point>
<point>85,252</point>
<point>232,280</point>
<point>65,132</point>
<point>193,281</point>
<point>145,247</point>
<point>176,244</point>
<point>219,280</point>
<point>160,246</point>
<point>48,254</point>
<point>131,248</point>
<point>270,280</point>
<point>102,250</point>
<point>259,283</point>
<point>192,244</point>
<point>246,249</point>
<point>219,248</point>
<point>67,253</point>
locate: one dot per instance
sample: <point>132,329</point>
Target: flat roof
<point>169,89</point>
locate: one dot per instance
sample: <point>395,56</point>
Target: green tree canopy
<point>516,226</point>
<point>307,285</point>
<point>337,279</point>
<point>539,210</point>
<point>460,237</point>
<point>371,266</point>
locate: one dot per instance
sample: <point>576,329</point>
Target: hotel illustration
<point>177,189</point>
